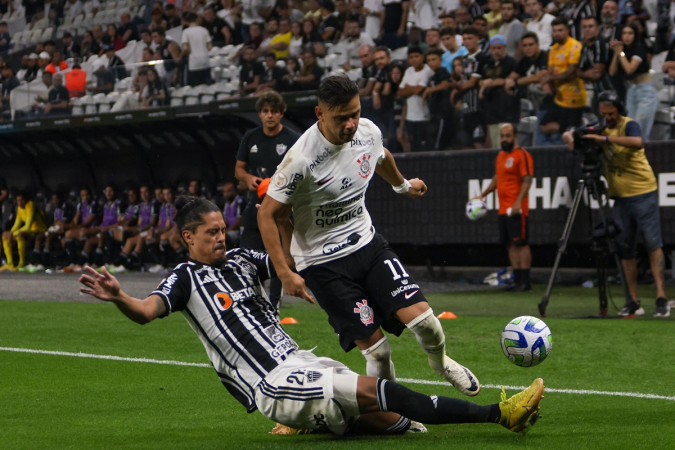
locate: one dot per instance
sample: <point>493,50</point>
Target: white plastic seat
<point>177,96</point>
<point>208,94</point>
<point>400,54</point>
<point>191,94</point>
<point>77,110</point>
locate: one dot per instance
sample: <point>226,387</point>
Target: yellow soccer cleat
<point>521,410</point>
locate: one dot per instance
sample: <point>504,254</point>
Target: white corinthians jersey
<point>326,184</point>
<point>229,310</point>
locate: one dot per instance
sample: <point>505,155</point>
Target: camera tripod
<point>603,238</point>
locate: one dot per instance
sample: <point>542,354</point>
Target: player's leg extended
<point>377,352</point>
<point>516,413</point>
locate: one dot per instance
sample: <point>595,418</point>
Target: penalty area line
<point>404,380</point>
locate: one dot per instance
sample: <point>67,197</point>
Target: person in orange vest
<point>57,64</point>
<point>76,81</point>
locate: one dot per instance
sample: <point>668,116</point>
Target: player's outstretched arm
<point>387,169</point>
<point>106,287</point>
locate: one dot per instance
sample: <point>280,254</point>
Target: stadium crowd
<point>129,229</point>
<point>439,74</point>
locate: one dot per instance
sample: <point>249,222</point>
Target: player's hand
<point>516,210</point>
<point>417,188</point>
<point>294,285</point>
<point>103,286</point>
<point>252,182</point>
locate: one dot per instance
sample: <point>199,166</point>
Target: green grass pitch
<point>55,402</point>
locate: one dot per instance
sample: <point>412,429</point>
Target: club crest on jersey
<point>509,163</point>
<point>364,311</point>
<point>281,148</point>
<point>364,165</point>
<point>280,180</point>
<point>246,266</point>
<point>313,376</point>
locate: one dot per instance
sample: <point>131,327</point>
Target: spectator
<point>171,17</point>
<point>398,111</point>
<point>58,98</point>
<point>156,95</point>
<point>473,129</point>
<point>512,29</point>
<point>393,22</point>
<point>328,27</point>
<point>139,87</point>
<point>595,59</point>
<point>295,47</point>
<point>99,38</point>
<point>415,81</point>
<point>281,41</point>
<point>157,20</point>
<point>197,44</point>
<point>499,106</point>
<point>527,76</point>
<point>285,11</point>
<point>464,19</point>
<point>43,62</point>
<point>415,39</point>
<point>630,62</point>
<point>292,67</point>
<point>170,51</point>
<point>570,92</point>
<point>218,29</point>
<point>43,96</point>
<point>250,73</point>
<point>89,45</point>
<point>105,79</point>
<point>350,47</point>
<point>494,17</point>
<point>32,71</point>
<point>438,99</point>
<point>574,11</point>
<point>254,11</point>
<point>473,9</point>
<point>344,14</point>
<point>309,33</point>
<point>310,74</point>
<point>33,8</point>
<point>113,38</point>
<point>366,81</point>
<point>453,49</point>
<point>630,11</point>
<point>146,39</point>
<point>76,81</point>
<point>25,64</point>
<point>272,76</point>
<point>314,11</point>
<point>372,10</point>
<point>230,12</point>
<point>609,28</point>
<point>9,83</point>
<point>5,38</point>
<point>480,24</point>
<point>127,30</point>
<point>50,47</point>
<point>433,40</point>
<point>115,64</point>
<point>232,206</point>
<point>271,29</point>
<point>540,22</point>
<point>57,64</point>
<point>425,14</point>
<point>70,48</point>
<point>383,94</point>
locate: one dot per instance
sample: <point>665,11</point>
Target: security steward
<point>633,187</point>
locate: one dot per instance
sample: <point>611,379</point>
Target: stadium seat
<point>101,102</point>
<point>400,54</point>
<point>19,13</point>
<point>88,104</point>
<point>216,74</point>
<point>47,34</point>
<point>354,74</point>
<point>208,94</point>
<point>177,96</point>
<point>526,130</point>
<point>123,84</point>
<point>6,16</point>
<point>16,40</point>
<point>223,90</point>
<point>192,95</point>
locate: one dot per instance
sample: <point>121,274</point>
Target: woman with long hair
<point>309,33</point>
<point>295,47</point>
<point>156,94</point>
<point>88,46</point>
<point>631,64</point>
<point>113,38</point>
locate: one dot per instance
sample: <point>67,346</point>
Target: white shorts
<point>309,392</point>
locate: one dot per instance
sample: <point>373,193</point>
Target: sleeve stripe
<point>165,299</point>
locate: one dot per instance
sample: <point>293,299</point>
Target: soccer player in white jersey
<point>220,295</point>
<point>353,272</point>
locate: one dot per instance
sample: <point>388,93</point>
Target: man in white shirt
<point>196,43</point>
<point>512,29</point>
<point>417,116</point>
<point>352,271</point>
<point>540,23</point>
<point>350,45</point>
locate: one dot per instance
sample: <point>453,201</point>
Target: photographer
<point>632,185</point>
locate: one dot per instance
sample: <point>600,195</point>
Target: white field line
<point>404,380</point>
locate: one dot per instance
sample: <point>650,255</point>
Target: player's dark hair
<point>530,35</point>
<point>273,99</point>
<point>191,17</point>
<point>190,212</point>
<point>560,21</point>
<point>336,90</point>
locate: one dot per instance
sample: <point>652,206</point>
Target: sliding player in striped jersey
<point>220,294</point>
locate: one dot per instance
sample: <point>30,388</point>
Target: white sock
<point>378,360</point>
<point>429,334</point>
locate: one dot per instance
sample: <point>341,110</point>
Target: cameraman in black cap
<point>633,187</point>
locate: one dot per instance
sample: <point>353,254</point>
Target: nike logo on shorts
<point>410,294</point>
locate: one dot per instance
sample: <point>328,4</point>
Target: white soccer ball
<point>476,209</point>
<point>526,341</point>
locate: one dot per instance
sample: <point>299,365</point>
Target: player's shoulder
<point>242,257</point>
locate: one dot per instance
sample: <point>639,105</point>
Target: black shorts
<point>513,230</point>
<point>472,121</point>
<point>362,291</point>
<point>566,117</point>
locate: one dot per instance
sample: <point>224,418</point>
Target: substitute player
<point>220,294</point>
<point>512,180</point>
<point>355,275</point>
<point>29,220</point>
<point>260,152</point>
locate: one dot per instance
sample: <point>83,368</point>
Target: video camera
<point>588,147</point>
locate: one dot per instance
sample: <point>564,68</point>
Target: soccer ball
<point>475,209</point>
<point>526,341</point>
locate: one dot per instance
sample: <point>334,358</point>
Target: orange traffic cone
<point>289,321</point>
<point>447,315</point>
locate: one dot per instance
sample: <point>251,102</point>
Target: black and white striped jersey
<point>575,13</point>
<point>597,53</point>
<point>472,67</point>
<point>229,310</point>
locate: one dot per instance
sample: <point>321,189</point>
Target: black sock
<point>432,410</point>
<point>401,426</point>
<point>526,276</point>
<point>517,276</point>
<point>71,250</point>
